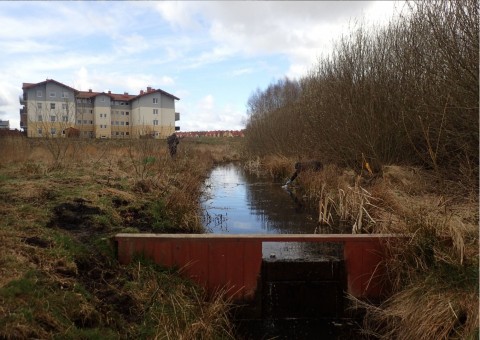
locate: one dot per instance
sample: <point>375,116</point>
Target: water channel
<point>302,284</point>
<point>238,202</point>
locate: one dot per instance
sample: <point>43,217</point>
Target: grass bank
<point>392,112</point>
<point>434,275</point>
<point>62,200</point>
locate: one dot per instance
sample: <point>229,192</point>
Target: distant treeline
<point>406,93</point>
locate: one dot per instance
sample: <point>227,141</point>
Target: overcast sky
<point>212,55</point>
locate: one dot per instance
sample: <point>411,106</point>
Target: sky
<point>211,54</point>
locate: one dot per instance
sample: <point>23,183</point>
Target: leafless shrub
<point>406,93</point>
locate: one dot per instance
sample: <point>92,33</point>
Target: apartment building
<point>53,109</point>
<point>4,125</point>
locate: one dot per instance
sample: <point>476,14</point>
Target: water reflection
<point>235,201</point>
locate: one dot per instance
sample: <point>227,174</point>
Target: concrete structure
<point>234,262</point>
<point>50,108</point>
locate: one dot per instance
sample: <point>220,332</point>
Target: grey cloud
<point>263,12</point>
<point>3,101</point>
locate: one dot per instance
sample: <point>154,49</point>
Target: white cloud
<point>206,104</point>
<point>117,82</point>
<point>131,44</point>
<point>178,13</point>
<point>300,30</point>
<point>206,115</point>
<point>242,71</point>
<point>126,46</point>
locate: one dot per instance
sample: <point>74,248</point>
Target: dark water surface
<point>238,202</point>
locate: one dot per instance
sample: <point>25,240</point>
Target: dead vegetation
<point>393,115</point>
<point>434,276</point>
<point>59,277</point>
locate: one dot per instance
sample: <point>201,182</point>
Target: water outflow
<point>237,202</point>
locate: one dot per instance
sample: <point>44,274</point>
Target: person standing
<point>172,142</point>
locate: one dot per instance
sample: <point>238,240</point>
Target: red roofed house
<point>50,108</point>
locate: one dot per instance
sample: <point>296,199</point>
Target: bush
<point>404,94</point>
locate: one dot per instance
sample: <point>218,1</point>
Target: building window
<point>39,131</point>
<point>53,118</point>
<point>155,122</point>
<point>123,113</point>
<point>91,111</point>
<point>155,100</point>
<point>53,131</point>
<point>155,111</point>
<point>65,95</point>
<point>127,133</point>
<point>52,106</point>
<point>52,95</point>
<point>122,103</point>
<point>91,122</point>
<point>39,93</point>
<point>64,118</point>
<point>102,99</point>
<point>126,112</point>
<point>127,123</point>
<point>64,106</point>
<point>40,118</point>
<point>85,122</point>
<point>79,100</point>
<point>79,121</point>
<point>39,106</point>
<point>123,123</point>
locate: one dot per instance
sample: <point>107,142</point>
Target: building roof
<point>150,91</point>
<point>29,85</point>
<point>114,96</point>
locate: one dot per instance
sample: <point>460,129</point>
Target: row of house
<point>53,109</point>
<point>217,133</point>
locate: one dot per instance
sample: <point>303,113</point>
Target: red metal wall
<point>234,261</point>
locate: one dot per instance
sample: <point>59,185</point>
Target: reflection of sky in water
<point>236,202</point>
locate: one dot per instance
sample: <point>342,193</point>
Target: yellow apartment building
<point>53,109</point>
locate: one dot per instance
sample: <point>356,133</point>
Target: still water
<point>310,306</point>
<point>238,202</point>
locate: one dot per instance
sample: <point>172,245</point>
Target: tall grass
<point>58,272</point>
